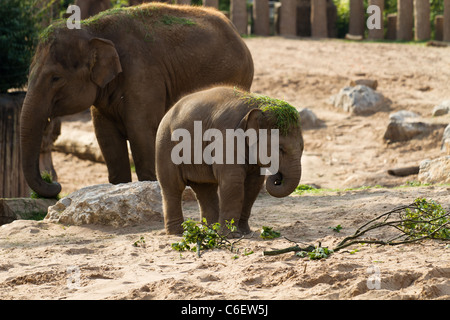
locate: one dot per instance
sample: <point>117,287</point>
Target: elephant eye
<point>55,78</point>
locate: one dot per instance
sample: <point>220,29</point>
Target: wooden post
<point>446,22</point>
<point>438,27</point>
<point>357,22</point>
<point>319,27</point>
<point>211,3</point>
<point>422,20</point>
<point>377,34</point>
<point>405,20</point>
<point>288,18</point>
<point>238,14</point>
<point>391,33</point>
<point>261,17</point>
<point>12,180</point>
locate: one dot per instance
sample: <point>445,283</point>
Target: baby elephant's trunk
<point>284,182</point>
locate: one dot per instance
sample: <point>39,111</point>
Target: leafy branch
<point>201,236</point>
<point>423,219</point>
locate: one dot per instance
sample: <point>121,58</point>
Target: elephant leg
<point>253,184</point>
<point>143,118</point>
<point>231,196</point>
<point>172,188</point>
<point>114,148</point>
<point>173,212</point>
<point>143,150</point>
<point>208,201</point>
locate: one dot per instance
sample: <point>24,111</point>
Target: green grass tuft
<point>282,113</point>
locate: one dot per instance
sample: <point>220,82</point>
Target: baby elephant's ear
<point>105,63</point>
<point>251,120</point>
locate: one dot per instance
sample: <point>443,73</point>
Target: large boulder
<point>360,100</point>
<point>435,171</point>
<point>118,205</point>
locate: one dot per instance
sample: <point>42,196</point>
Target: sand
<point>41,260</point>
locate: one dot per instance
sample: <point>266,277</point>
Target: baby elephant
<point>217,141</point>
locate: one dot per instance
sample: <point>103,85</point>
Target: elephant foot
<point>175,229</point>
<point>243,227</point>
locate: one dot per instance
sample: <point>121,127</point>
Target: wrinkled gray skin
<point>131,65</point>
<point>224,191</point>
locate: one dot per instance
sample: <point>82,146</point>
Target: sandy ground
<point>347,151</point>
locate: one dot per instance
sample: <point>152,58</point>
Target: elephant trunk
<point>32,125</point>
<point>284,182</point>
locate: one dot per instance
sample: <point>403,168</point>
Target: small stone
<point>441,109</point>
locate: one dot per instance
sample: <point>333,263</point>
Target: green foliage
<point>428,219</point>
<point>337,228</point>
<point>170,20</point>
<point>18,33</point>
<point>317,253</point>
<point>343,17</point>
<point>269,233</point>
<point>140,242</point>
<point>282,113</point>
<point>201,236</point>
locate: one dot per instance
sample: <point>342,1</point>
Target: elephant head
<point>69,69</point>
<point>277,114</point>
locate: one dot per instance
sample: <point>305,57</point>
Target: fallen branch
<point>427,221</point>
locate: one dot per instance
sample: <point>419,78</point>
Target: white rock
<point>107,204</point>
<point>435,171</point>
<point>402,115</point>
<point>360,100</point>
<point>442,108</point>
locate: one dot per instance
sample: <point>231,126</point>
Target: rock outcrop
<point>107,204</point>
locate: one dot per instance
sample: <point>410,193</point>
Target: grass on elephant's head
<point>283,114</point>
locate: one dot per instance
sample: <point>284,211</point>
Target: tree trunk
<point>422,20</point>
<point>405,20</point>
<point>238,14</point>
<point>261,17</point>
<point>391,33</point>
<point>319,27</point>
<point>446,22</point>
<point>439,28</point>
<point>288,18</point>
<point>211,3</point>
<point>357,22</point>
<point>12,179</point>
<point>377,34</point>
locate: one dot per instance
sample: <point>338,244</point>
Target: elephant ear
<point>105,63</point>
<point>252,120</point>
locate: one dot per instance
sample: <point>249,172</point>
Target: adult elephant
<point>131,64</point>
